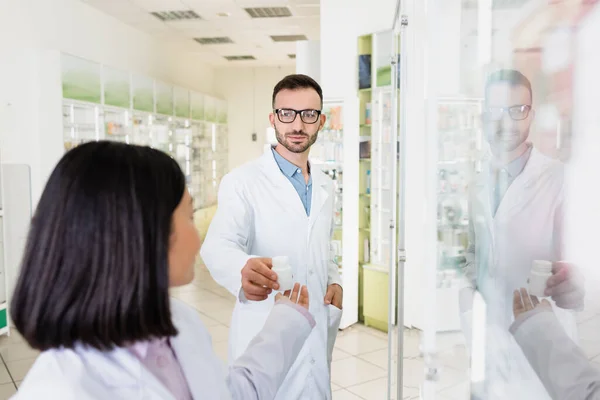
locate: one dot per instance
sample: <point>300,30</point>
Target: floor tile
<point>18,351</point>
<point>18,369</point>
<point>379,358</point>
<point>413,372</point>
<point>197,296</point>
<point>358,342</point>
<point>15,337</point>
<point>183,289</point>
<point>377,390</point>
<point>223,293</point>
<point>345,395</point>
<point>4,375</point>
<point>339,354</point>
<point>354,371</point>
<point>219,333</point>
<point>335,387</point>
<point>372,390</point>
<point>208,321</point>
<point>458,392</point>
<point>18,384</point>
<point>222,351</point>
<point>7,390</point>
<point>456,358</point>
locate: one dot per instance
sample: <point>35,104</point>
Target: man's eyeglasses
<point>288,115</point>
<point>516,113</point>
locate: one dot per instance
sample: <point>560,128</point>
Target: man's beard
<point>296,147</point>
<point>503,141</point>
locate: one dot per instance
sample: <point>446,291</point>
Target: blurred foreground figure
<point>114,229</point>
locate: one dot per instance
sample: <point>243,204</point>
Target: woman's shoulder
<point>51,377</point>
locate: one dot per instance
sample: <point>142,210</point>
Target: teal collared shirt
<point>512,171</point>
<point>294,175</point>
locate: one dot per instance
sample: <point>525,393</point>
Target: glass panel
<point>505,185</point>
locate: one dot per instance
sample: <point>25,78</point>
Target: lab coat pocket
<point>335,317</point>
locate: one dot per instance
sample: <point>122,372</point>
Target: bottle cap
<point>280,262</point>
<point>542,266</point>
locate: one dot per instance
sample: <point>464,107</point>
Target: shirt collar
<point>515,167</point>
<point>285,166</point>
<point>140,349</point>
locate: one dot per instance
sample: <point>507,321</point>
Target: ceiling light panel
<point>239,58</point>
<point>268,12</point>
<point>182,15</point>
<point>214,40</point>
<point>497,4</point>
<point>288,38</point>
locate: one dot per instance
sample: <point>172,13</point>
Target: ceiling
<point>223,19</point>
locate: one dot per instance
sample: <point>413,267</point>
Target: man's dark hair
<point>297,81</point>
<point>95,269</point>
<point>510,76</point>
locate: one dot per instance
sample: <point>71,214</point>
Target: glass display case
<point>181,140</point>
<point>117,124</point>
<point>161,132</point>
<point>380,178</point>
<point>141,128</point>
<point>189,126</point>
<point>81,123</point>
<point>327,154</point>
<point>459,152</point>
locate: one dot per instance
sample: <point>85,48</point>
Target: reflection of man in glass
<point>515,218</point>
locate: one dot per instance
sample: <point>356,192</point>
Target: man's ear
<point>272,120</point>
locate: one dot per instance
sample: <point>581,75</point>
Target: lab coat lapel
<point>286,193</point>
<point>516,195</point>
<point>319,195</point>
<point>186,348</point>
<point>483,190</point>
<point>121,370</point>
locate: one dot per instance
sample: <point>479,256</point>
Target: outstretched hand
<point>523,302</point>
<point>298,295</point>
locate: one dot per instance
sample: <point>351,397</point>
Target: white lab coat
<point>261,215</point>
<point>86,374</point>
<point>526,227</point>
<point>561,365</point>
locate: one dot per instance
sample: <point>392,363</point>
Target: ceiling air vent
<point>168,16</point>
<point>292,56</point>
<point>288,38</point>
<point>496,4</point>
<point>240,58</point>
<point>214,40</point>
<point>269,12</point>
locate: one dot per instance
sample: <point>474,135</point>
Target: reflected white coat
<point>527,227</point>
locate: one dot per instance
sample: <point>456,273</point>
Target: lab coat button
<point>312,361</point>
<point>311,272</point>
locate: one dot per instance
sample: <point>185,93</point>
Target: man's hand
<point>299,296</point>
<point>566,286</point>
<point>334,295</point>
<point>258,281</point>
<point>523,302</point>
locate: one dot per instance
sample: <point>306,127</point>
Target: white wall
<point>33,33</point>
<point>248,92</point>
<point>342,22</point>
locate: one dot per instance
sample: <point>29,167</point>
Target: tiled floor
<point>359,368</point>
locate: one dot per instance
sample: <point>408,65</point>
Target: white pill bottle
<point>538,277</point>
<point>283,269</point>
